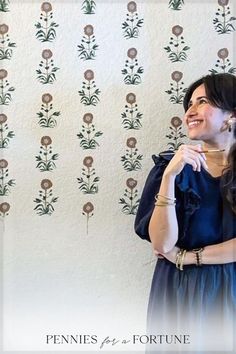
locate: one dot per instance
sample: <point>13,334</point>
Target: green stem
<point>46,156</point>
<point>45,201</point>
<point>47,111</point>
<point>88,178</point>
<point>46,24</point>
<point>88,132</point>
<point>224,18</point>
<point>89,95</point>
<point>87,223</point>
<point>131,198</point>
<point>2,180</point>
<point>1,135</point>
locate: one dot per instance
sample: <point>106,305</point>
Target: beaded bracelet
<point>198,254</point>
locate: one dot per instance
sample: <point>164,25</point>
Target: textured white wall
<point>58,278</point>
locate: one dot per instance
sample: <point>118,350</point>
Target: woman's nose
<point>192,111</point>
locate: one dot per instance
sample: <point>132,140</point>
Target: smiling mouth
<point>194,123</point>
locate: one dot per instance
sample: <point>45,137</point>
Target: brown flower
<point>88,208</point>
<point>88,118</point>
<point>223,53</point>
<point>177,30</point>
<point>3,74</point>
<point>46,184</point>
<point>131,142</point>
<point>4,207</point>
<point>47,54</point>
<point>3,28</point>
<point>88,161</point>
<point>176,122</point>
<point>46,7</point>
<point>3,118</point>
<point>176,76</point>
<point>131,183</point>
<point>132,6</point>
<point>46,140</point>
<point>132,53</point>
<point>223,2</point>
<point>131,98</point>
<point>46,98</point>
<point>89,75</point>
<point>3,163</point>
<point>88,30</point>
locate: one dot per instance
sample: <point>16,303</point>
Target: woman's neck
<point>218,157</point>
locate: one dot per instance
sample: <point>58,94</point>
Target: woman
<point>188,212</point>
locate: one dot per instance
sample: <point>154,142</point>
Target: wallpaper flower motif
<point>176,4</point>
<point>177,49</point>
<point>223,64</point>
<point>4,208</point>
<point>88,133</point>
<point>46,31</point>
<point>88,212</point>
<point>87,49</point>
<point>132,23</point>
<point>4,5</point>
<point>131,116</point>
<point>132,71</point>
<point>5,90</point>
<point>88,181</point>
<point>89,7</point>
<point>5,135</point>
<point>89,93</point>
<point>46,199</point>
<point>47,118</point>
<point>6,46</point>
<point>5,185</point>
<point>175,134</point>
<point>130,201</point>
<point>45,157</point>
<point>47,76</point>
<point>131,161</point>
<point>224,21</point>
<point>176,91</point>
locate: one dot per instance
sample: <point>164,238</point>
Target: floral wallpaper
<point>133,30</point>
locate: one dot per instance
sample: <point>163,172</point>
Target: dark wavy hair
<point>221,93</point>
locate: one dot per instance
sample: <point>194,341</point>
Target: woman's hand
<point>186,154</point>
<point>171,256</point>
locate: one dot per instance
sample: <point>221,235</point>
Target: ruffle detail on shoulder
<point>192,199</point>
<point>163,159</point>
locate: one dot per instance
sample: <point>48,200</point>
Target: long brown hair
<point>221,93</point>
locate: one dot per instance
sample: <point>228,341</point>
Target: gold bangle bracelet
<point>180,259</point>
<point>164,196</point>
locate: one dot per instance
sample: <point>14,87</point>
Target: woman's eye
<point>202,100</point>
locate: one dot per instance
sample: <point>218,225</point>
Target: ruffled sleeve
<point>146,204</point>
<point>188,199</point>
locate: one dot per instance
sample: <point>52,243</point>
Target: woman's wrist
<point>189,258</point>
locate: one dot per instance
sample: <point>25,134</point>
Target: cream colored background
<point>57,279</point>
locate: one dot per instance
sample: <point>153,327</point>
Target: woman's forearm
<point>221,253</point>
<point>163,226</point>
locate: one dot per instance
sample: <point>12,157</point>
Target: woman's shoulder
<point>163,158</point>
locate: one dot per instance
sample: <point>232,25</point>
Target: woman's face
<point>204,121</point>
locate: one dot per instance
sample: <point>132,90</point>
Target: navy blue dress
<point>197,296</point>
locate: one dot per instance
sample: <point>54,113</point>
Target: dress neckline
<point>212,177</point>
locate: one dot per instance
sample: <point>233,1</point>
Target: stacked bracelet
<point>162,200</point>
<point>198,254</point>
<point>180,259</point>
